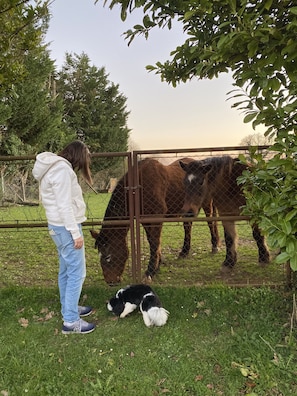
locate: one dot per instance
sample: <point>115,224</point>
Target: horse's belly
<point>228,205</point>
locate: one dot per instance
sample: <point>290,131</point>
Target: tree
<point>22,25</point>
<point>256,41</point>
<point>95,110</point>
<point>256,139</point>
<point>36,112</point>
<point>29,114</point>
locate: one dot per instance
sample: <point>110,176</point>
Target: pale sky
<point>193,115</point>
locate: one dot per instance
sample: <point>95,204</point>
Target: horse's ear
<point>183,165</point>
<point>94,234</point>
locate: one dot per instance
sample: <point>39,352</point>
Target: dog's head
<point>116,306</point>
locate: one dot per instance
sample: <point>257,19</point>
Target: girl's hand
<point>78,243</point>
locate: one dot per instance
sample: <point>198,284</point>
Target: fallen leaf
<point>161,381</point>
<point>24,322</point>
<point>200,304</point>
<point>49,316</point>
<point>250,384</point>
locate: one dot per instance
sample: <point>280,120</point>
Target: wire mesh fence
<point>135,218</point>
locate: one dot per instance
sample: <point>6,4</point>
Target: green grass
<point>218,341</point>
<point>29,253</point>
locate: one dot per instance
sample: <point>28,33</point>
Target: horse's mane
<point>116,207</point>
<point>221,165</point>
<point>118,203</point>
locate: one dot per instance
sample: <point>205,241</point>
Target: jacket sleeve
<point>62,184</point>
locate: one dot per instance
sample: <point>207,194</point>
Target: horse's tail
<point>155,316</point>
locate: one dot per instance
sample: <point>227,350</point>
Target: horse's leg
<point>264,255</point>
<point>209,211</point>
<point>153,233</point>
<point>187,240</point>
<point>231,244</point>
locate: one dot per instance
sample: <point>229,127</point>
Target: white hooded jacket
<point>61,194</point>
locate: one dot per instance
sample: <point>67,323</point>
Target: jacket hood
<point>44,161</point>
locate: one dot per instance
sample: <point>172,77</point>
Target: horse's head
<point>113,252</point>
<point>196,185</point>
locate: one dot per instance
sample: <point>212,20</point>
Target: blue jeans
<point>72,271</point>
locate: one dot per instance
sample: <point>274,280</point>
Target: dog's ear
<point>118,308</point>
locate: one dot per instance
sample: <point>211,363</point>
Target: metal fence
<point>129,204</point>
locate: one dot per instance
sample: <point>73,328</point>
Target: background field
<point>29,254</point>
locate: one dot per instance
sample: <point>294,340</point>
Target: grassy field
<point>29,253</point>
<point>219,340</point>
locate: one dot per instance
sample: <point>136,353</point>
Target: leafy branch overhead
<point>256,42</point>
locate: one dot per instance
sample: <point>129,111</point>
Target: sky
<point>196,114</point>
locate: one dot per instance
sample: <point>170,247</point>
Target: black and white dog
<point>128,299</point>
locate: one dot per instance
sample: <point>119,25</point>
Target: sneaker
<point>79,327</point>
<point>84,311</point>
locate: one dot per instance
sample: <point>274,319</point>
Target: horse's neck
<point>114,231</point>
<point>117,205</point>
<point>116,210</point>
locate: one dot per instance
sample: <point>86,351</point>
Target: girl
<point>61,196</point>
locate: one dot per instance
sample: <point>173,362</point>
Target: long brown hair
<point>78,154</point>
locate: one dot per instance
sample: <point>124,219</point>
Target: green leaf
<point>268,4</point>
<point>189,14</point>
<point>291,214</point>
<point>249,117</point>
<point>291,247</point>
<point>286,227</point>
<point>282,258</point>
<point>244,371</point>
<point>293,262</point>
<point>293,10</point>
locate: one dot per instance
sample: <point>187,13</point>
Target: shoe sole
<point>77,332</point>
<point>86,314</point>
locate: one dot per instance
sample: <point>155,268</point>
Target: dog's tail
<point>155,316</point>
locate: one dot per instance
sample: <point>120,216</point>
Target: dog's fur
<point>128,299</point>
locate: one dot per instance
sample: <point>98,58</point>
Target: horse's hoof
<point>214,250</point>
<point>264,260</point>
<point>263,263</point>
<point>226,269</point>
<point>147,280</point>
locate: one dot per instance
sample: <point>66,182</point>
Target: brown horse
<point>161,193</point>
<point>216,178</point>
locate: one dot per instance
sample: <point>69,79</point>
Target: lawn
<point>218,341</point>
